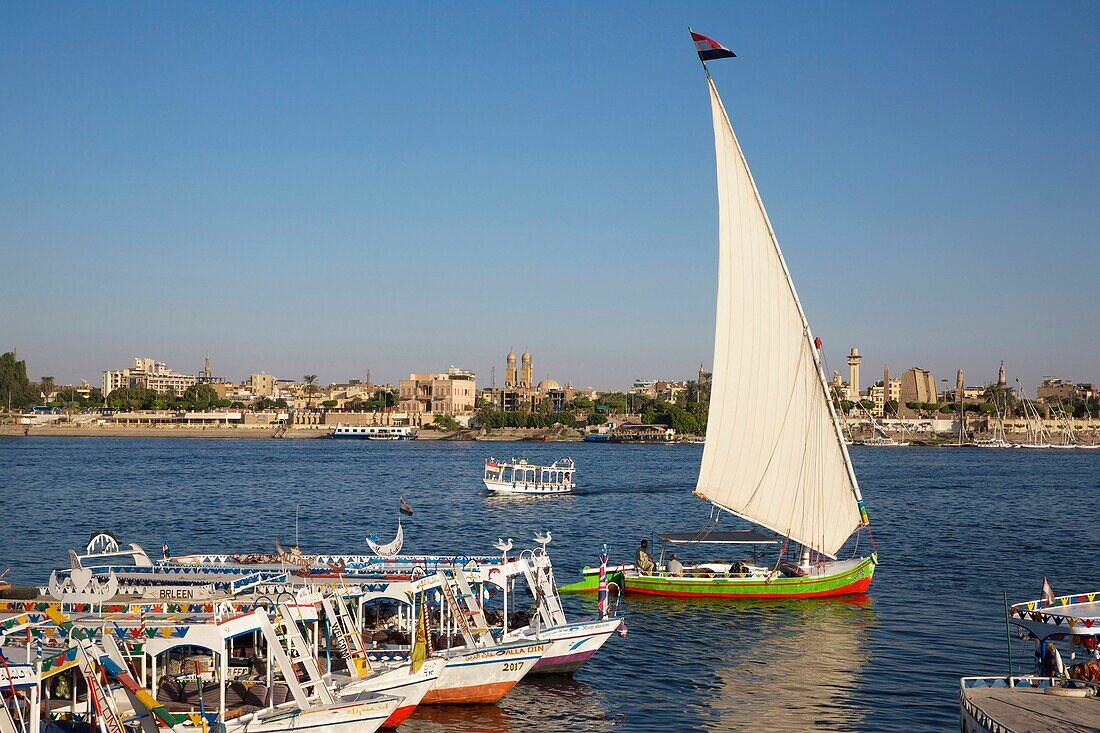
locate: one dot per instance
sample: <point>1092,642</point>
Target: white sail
<point>774,452</point>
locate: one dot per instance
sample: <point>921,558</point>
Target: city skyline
<point>499,379</point>
<point>334,189</point>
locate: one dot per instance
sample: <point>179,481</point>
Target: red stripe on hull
<point>859,586</point>
<point>399,716</point>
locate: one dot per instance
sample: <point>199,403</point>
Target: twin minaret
<point>526,377</point>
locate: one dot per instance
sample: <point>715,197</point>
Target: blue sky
<point>331,188</point>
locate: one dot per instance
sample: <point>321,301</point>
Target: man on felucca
<point>643,563</point>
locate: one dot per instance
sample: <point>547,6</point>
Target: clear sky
<point>331,188</point>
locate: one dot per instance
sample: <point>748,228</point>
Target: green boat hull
<point>851,577</point>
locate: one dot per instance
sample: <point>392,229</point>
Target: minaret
<point>702,375</point>
<point>206,373</point>
<point>959,386</point>
<point>853,374</point>
<point>885,387</point>
<point>510,370</point>
<point>526,371</point>
<point>1001,381</point>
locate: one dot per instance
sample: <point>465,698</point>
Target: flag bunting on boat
<point>405,508</point>
<point>601,593</point>
<point>709,49</point>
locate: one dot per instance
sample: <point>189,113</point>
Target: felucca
<point>775,453</point>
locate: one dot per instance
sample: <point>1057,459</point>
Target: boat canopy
<point>1073,615</point>
<point>738,537</point>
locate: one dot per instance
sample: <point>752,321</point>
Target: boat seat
<point>169,691</point>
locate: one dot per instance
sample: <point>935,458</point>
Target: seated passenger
<point>675,567</point>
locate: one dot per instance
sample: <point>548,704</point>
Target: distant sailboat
<point>1037,436</point>
<point>775,452</point>
<point>996,438</point>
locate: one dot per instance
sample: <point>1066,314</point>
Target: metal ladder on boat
<point>100,698</point>
<point>462,600</point>
<point>103,702</point>
<point>345,635</point>
<point>291,651</point>
<point>540,578</point>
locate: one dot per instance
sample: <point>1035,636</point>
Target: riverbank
<point>264,432</point>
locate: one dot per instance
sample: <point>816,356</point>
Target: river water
<point>954,528</point>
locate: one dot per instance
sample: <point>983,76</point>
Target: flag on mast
<point>709,49</point>
<point>601,593</point>
<point>1048,592</point>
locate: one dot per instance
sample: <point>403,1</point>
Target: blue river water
<point>954,529</point>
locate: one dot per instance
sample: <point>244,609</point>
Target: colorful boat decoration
<point>775,453</point>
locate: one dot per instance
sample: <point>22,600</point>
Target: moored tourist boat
<point>409,680</point>
<point>290,695</point>
<point>373,432</point>
<point>459,583</point>
<point>521,477</point>
<point>1054,695</point>
<point>775,453</point>
<point>881,440</point>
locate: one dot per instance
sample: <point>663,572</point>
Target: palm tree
<point>311,388</point>
<point>47,386</point>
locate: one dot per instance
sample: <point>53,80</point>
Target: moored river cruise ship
<point>373,432</point>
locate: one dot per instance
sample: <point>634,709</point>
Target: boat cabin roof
<point>737,537</point>
<point>1074,615</point>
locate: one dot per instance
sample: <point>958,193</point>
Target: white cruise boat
<point>883,440</point>
<point>521,477</point>
<point>373,432</point>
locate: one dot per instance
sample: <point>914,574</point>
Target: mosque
<point>521,392</point>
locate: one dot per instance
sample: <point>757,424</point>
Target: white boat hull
<point>483,675</point>
<point>401,682</point>
<point>345,716</point>
<point>519,487</point>
<point>571,645</point>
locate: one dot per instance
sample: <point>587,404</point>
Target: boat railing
<point>1028,681</point>
<point>250,581</point>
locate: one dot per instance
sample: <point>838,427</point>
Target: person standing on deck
<point>642,560</point>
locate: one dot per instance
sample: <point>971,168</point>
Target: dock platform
<point>1028,705</point>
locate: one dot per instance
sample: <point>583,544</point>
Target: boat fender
<point>1068,691</point>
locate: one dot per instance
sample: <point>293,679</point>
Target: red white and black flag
<point>709,49</point>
